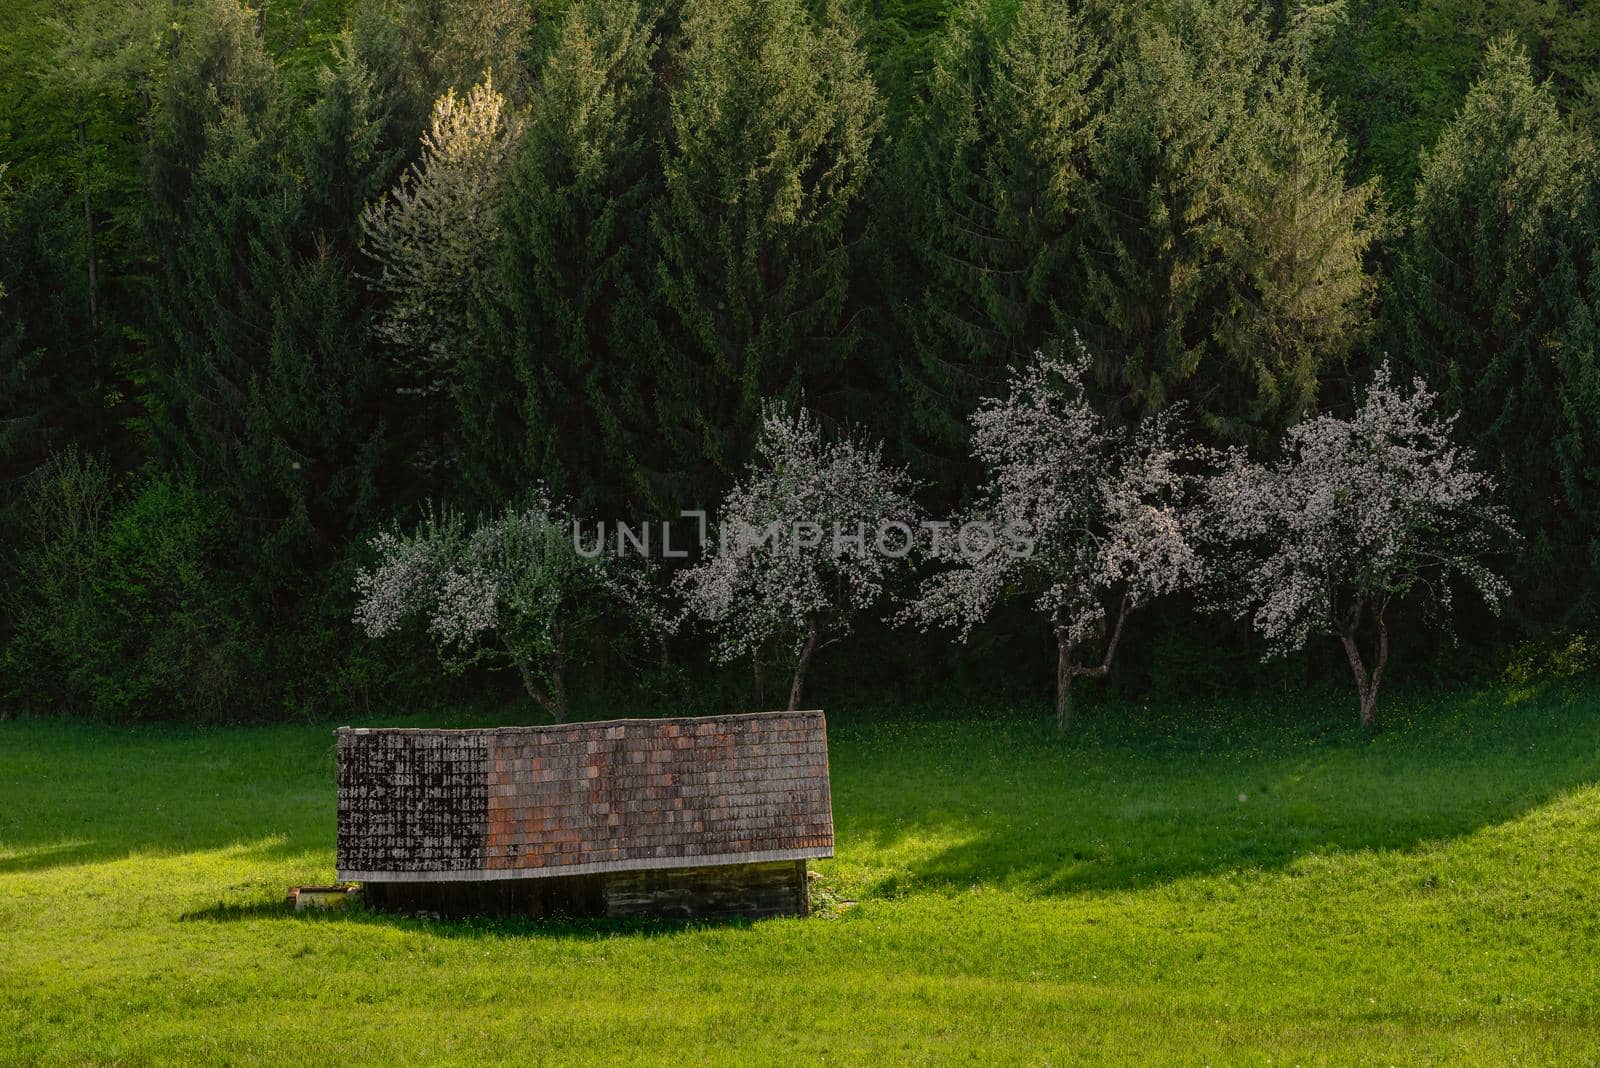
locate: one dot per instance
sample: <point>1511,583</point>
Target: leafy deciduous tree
<point>513,590</point>
<point>61,513</point>
<point>434,233</point>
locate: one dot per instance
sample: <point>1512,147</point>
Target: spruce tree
<point>575,311</point>
<point>1223,257</point>
<point>220,212</point>
<point>318,430</point>
<point>52,386</point>
<point>989,188</point>
<point>1300,294</point>
<point>453,44</point>
<point>770,141</point>
<point>266,385</point>
<point>1494,301</point>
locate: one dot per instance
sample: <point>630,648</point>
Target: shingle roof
<point>585,797</point>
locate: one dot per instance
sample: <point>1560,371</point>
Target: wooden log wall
<point>724,891</point>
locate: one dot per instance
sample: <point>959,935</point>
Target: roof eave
<point>592,868</point>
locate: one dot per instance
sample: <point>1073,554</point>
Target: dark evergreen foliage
<point>990,190</point>
<point>266,386</point>
<point>576,323</point>
<point>1495,300</point>
<point>696,207</point>
<point>1223,264</point>
<point>54,373</point>
<point>768,146</point>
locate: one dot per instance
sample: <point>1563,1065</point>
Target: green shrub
<point>117,608</point>
<point>51,598</point>
<point>1562,655</point>
<point>167,636</point>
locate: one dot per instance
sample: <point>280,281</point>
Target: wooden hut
<point>712,816</point>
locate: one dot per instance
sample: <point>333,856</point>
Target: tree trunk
<point>1369,714</point>
<point>755,680</point>
<point>1063,684</point>
<point>1352,653</point>
<point>1369,707</point>
<point>558,692</point>
<point>1367,683</point>
<point>1066,670</point>
<point>554,700</point>
<point>558,678</point>
<point>806,652</point>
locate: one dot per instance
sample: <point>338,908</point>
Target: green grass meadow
<point>1227,884</point>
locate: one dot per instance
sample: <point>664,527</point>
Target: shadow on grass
<point>75,793</point>
<point>66,855</point>
<point>923,799</point>
<point>1136,796</point>
<point>562,927</point>
<point>57,854</point>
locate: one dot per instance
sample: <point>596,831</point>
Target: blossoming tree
<point>513,589</point>
<point>809,541</point>
<point>1090,521</point>
<point>1356,514</point>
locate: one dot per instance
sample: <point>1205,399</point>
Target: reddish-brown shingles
<point>652,789</point>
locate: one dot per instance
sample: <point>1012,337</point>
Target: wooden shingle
<point>571,799</point>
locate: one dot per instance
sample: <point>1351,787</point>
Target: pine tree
<point>576,311</point>
<point>219,213</point>
<point>1300,295</point>
<point>23,385</point>
<point>352,147</point>
<point>51,386</point>
<point>989,184</point>
<point>220,67</point>
<point>770,141</point>
<point>453,44</point>
<point>1224,253</point>
<point>1495,302</point>
<point>266,385</point>
<point>318,429</point>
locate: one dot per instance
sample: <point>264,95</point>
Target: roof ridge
<point>721,717</point>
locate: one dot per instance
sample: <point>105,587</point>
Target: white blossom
<point>512,589</point>
<point>1355,513</point>
<point>796,555</point>
<point>1096,516</point>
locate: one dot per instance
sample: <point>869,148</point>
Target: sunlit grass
<point>1212,884</point>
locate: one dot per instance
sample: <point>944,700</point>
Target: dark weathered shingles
<point>614,795</point>
<point>412,801</point>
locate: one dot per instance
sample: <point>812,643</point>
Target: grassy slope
<point>1256,884</point>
